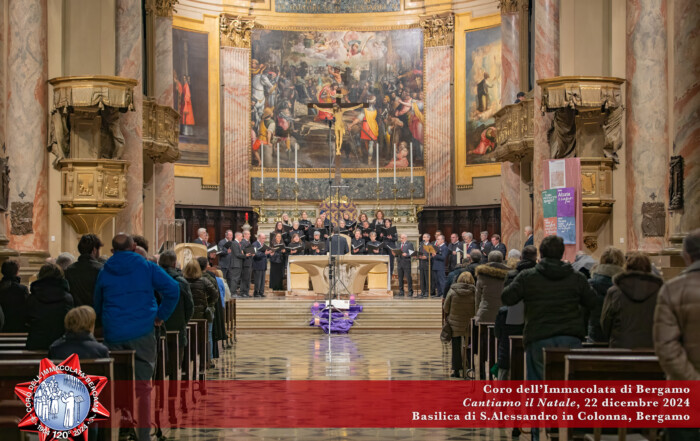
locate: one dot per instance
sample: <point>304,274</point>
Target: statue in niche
<point>675,185</point>
<point>59,136</point>
<point>4,182</point>
<point>113,146</point>
<point>562,135</point>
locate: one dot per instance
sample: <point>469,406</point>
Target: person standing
<point>47,306</point>
<point>424,266</point>
<point>441,254</point>
<point>236,264</point>
<point>489,286</point>
<point>601,280</point>
<point>455,248</point>
<point>247,265</point>
<point>277,263</point>
<point>185,305</point>
<point>13,298</point>
<point>202,237</point>
<point>259,266</point>
<point>497,245</point>
<point>226,256</point>
<point>485,245</point>
<point>530,238</point>
<point>82,274</point>
<point>338,244</point>
<point>459,309</point>
<point>468,239</point>
<point>404,264</point>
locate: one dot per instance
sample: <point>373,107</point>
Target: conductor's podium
<point>353,273</point>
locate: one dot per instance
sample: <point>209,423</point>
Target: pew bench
<point>517,358</point>
<point>555,358</point>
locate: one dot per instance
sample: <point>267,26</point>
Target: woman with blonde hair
<point>459,307</point>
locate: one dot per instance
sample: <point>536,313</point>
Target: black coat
<point>82,343</point>
<point>47,307</point>
<point>338,245</point>
<point>203,294</point>
<point>13,301</point>
<point>81,277</point>
<point>185,307</point>
<point>600,281</point>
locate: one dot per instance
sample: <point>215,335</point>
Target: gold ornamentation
<point>515,131</point>
<point>112,186</point>
<point>235,31</point>
<point>578,92</point>
<point>508,6</point>
<point>161,130</point>
<point>596,193</point>
<point>438,30</point>
<point>86,184</point>
<point>165,8</point>
<point>591,243</point>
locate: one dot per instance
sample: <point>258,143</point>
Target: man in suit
<point>439,264</point>
<point>497,245</point>
<point>236,263</point>
<point>404,264</point>
<point>485,245</point>
<point>454,247</point>
<point>225,256</point>
<point>247,266</point>
<point>468,238</point>
<point>338,244</point>
<point>530,237</point>
<point>423,268</point>
<point>259,266</point>
<point>202,237</point>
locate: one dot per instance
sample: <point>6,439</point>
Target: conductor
<point>338,244</point>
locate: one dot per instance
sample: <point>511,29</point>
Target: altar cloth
<point>341,321</point>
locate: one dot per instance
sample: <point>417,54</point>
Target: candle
<point>296,147</point>
<point>377,147</point>
<point>394,163</point>
<point>411,155</point>
<point>278,163</point>
<point>262,163</point>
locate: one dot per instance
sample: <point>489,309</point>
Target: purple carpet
<point>341,321</point>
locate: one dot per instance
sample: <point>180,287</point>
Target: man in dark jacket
<point>552,293</point>
<point>13,298</point>
<point>82,274</point>
<point>601,280</point>
<point>404,264</point>
<point>485,245</point>
<point>236,263</point>
<point>455,247</point>
<point>185,305</point>
<point>498,246</point>
<point>338,244</point>
<point>439,264</point>
<point>260,266</point>
<point>247,266</point>
<point>226,256</point>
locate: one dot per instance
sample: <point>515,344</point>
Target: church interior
<point>186,122</point>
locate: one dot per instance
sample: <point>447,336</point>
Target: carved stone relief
<point>4,184</point>
<point>653,219</point>
<point>21,214</point>
<point>675,186</point>
<point>235,31</point>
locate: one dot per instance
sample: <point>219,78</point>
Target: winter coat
<point>82,276</point>
<point>459,307</point>
<point>627,317</point>
<point>204,293</point>
<point>184,309</point>
<point>503,331</point>
<point>472,268</point>
<point>489,286</point>
<point>47,306</point>
<point>600,281</point>
<point>677,325</point>
<point>13,301</point>
<point>125,296</point>
<point>552,292</point>
<point>81,343</point>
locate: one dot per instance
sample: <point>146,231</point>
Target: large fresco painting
<point>483,76</point>
<point>292,68</point>
<point>337,6</point>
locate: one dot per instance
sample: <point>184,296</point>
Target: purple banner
<point>566,202</point>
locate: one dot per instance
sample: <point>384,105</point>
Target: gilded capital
<point>438,30</point>
<point>511,6</point>
<point>160,8</point>
<point>234,31</point>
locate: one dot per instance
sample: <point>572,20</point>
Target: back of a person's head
<point>475,255</point>
<point>552,247</point>
<point>122,242</point>
<point>10,268</point>
<point>89,242</point>
<point>141,241</point>
<point>336,230</point>
<point>495,256</point>
<point>514,254</point>
<point>203,263</point>
<point>64,260</point>
<point>612,256</point>
<point>50,271</point>
<point>192,270</point>
<point>80,319</point>
<point>168,259</point>
<point>466,277</point>
<point>529,253</point>
<point>691,246</point>
<point>636,261</point>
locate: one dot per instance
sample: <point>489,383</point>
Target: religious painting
<point>483,99</point>
<point>336,6</point>
<point>296,77</point>
<point>196,97</point>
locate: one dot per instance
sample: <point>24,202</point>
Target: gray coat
<point>459,307</point>
<point>489,286</point>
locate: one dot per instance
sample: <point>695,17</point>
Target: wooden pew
<point>173,369</point>
<point>161,359</point>
<point>187,359</point>
<point>517,358</point>
<point>491,350</point>
<point>203,344</point>
<point>554,358</point>
<point>193,344</point>
<point>16,346</point>
<point>14,334</point>
<point>473,343</point>
<point>482,350</point>
<point>613,367</point>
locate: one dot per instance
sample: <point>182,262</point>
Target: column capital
<point>234,31</point>
<point>512,6</point>
<point>160,8</point>
<point>438,29</point>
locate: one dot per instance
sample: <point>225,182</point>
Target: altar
<point>353,272</point>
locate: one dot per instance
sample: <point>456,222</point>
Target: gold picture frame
<point>210,173</point>
<point>464,173</point>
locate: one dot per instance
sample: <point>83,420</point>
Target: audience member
<point>82,274</point>
<point>47,306</point>
<point>459,308</point>
<point>628,309</point>
<point>217,327</point>
<point>141,241</point>
<point>125,301</point>
<point>489,285</point>
<point>529,237</point>
<point>64,260</point>
<point>204,293</point>
<point>454,274</point>
<point>79,324</point>
<point>601,280</point>
<point>583,263</point>
<point>513,258</point>
<point>185,306</point>
<point>13,298</point>
<point>476,257</point>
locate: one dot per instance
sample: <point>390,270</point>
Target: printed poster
<point>557,173</point>
<point>566,229</point>
<point>549,203</point>
<point>566,202</point>
<point>550,226</point>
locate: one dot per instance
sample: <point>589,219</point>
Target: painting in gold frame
<point>465,172</point>
<point>203,159</point>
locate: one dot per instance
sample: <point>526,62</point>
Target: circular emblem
<point>61,402</point>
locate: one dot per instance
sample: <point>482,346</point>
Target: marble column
<point>26,125</point>
<point>235,76</point>
<point>438,126</point>
<point>546,58</point>
<point>510,86</point>
<point>129,62</point>
<point>164,175</point>
<point>646,122</point>
<point>686,110</point>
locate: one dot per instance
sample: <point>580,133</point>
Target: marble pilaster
<point>26,124</point>
<point>546,66</point>
<point>510,86</point>
<point>235,76</point>
<point>646,122</point>
<point>164,176</point>
<point>438,126</point>
<point>686,110</point>
<point>129,62</point>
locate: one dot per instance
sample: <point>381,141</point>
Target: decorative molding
<point>234,31</point>
<point>515,131</point>
<point>675,185</point>
<point>438,30</point>
<point>165,8</point>
<point>338,27</point>
<point>511,6</point>
<point>161,130</point>
<point>581,92</point>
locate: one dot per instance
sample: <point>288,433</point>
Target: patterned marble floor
<point>305,356</point>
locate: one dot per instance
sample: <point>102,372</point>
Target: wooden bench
<point>554,358</point>
<point>517,358</point>
<point>473,342</point>
<point>173,368</point>
<point>203,345</point>
<point>613,367</point>
<point>491,350</point>
<point>482,350</point>
<point>194,350</point>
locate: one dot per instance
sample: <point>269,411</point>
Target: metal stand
<point>413,216</point>
<point>395,190</point>
<point>261,210</point>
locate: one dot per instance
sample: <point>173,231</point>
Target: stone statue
<point>111,127</point>
<point>4,183</point>
<point>59,135</point>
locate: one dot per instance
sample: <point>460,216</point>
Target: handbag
<point>209,314</point>
<point>446,333</point>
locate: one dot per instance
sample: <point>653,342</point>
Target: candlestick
<point>412,216</point>
<point>377,191</point>
<point>262,217</point>
<point>296,147</point>
<point>295,189</point>
<point>262,163</point>
<point>394,164</point>
<point>279,207</point>
<point>377,147</point>
<point>278,165</point>
<point>395,190</point>
<point>411,155</point>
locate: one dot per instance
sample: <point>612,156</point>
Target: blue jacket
<point>440,258</point>
<point>124,296</point>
